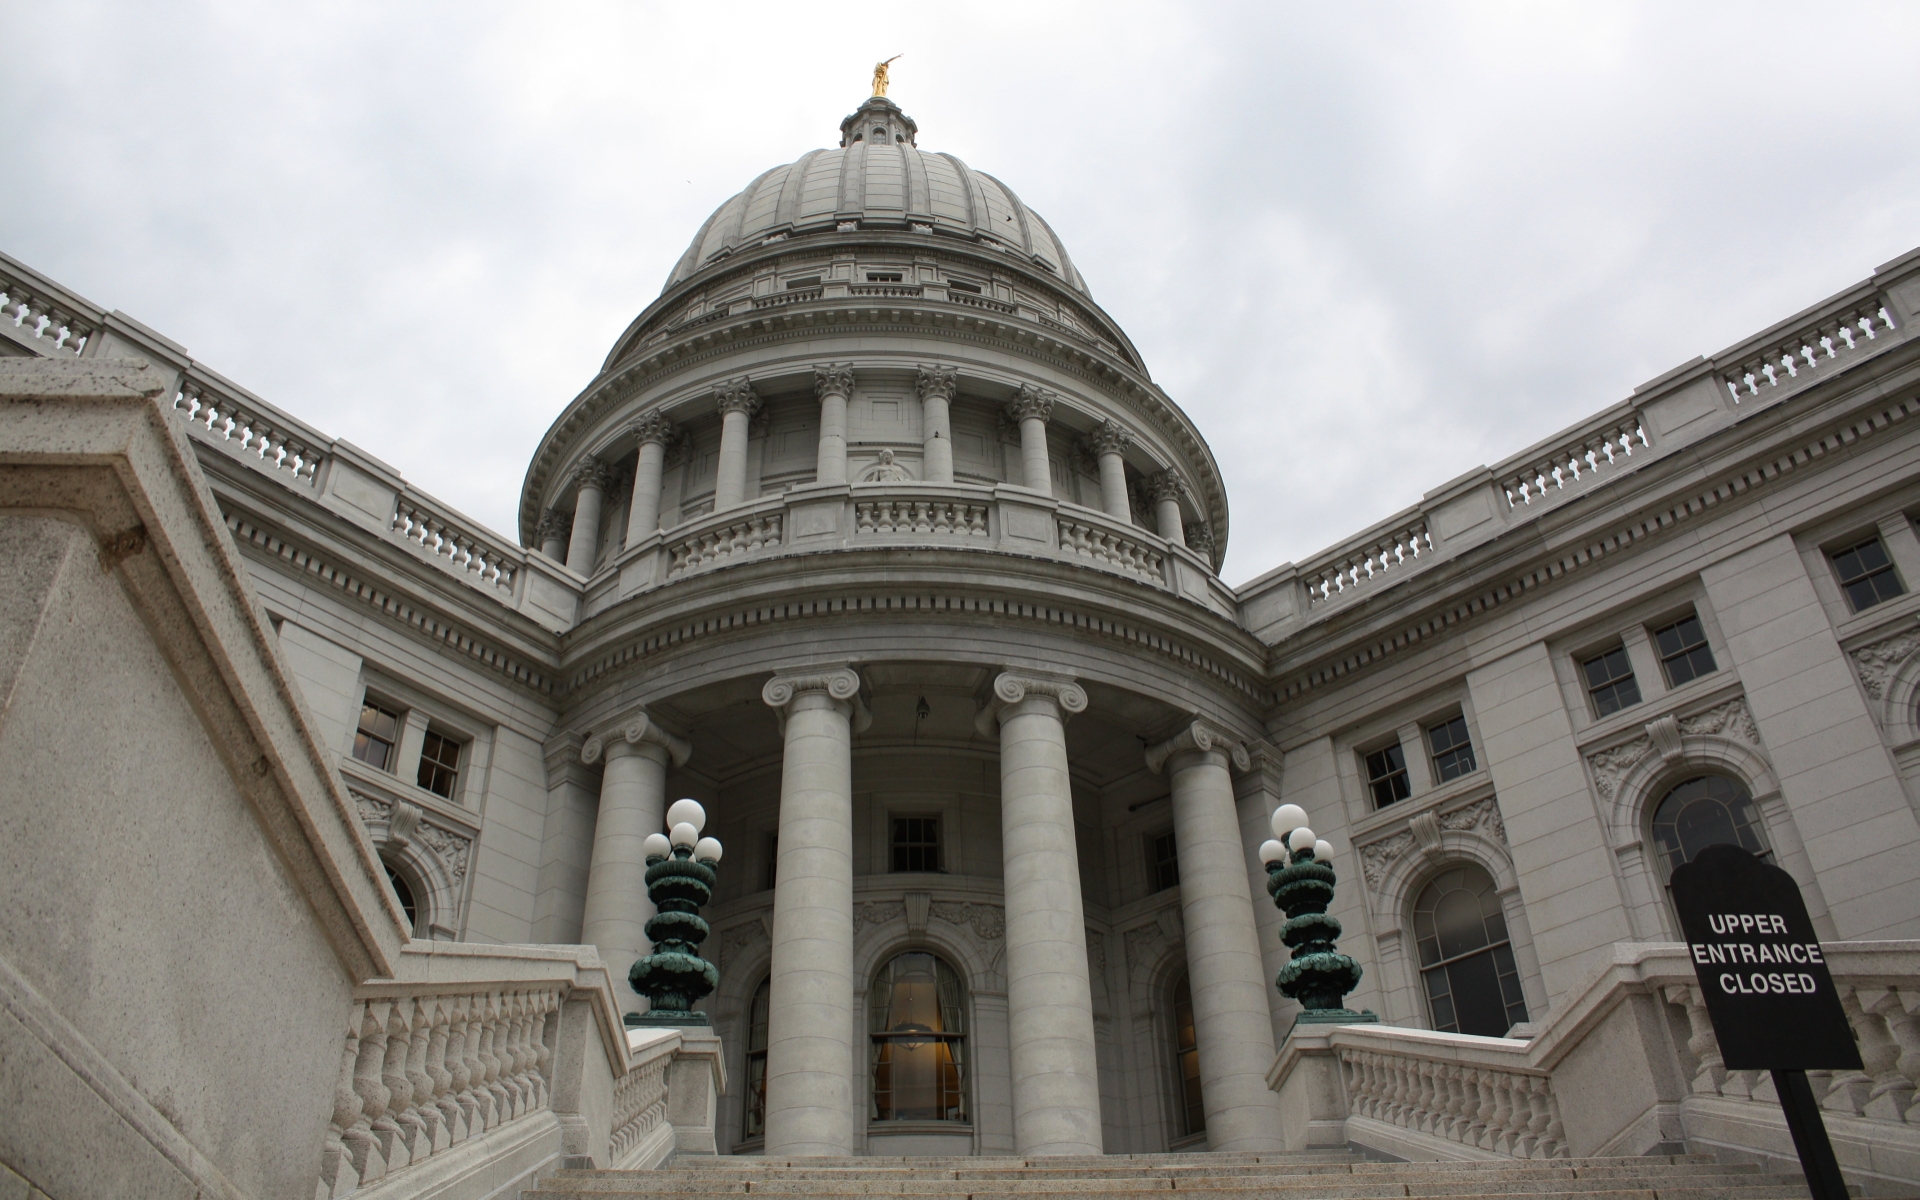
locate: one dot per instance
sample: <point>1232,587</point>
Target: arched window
<point>755,1123</point>
<point>1466,960</point>
<point>918,1023</point>
<point>1707,810</point>
<point>1186,1062</point>
<point>405,893</point>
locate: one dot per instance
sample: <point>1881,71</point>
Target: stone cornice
<point>1199,737</point>
<point>635,727</point>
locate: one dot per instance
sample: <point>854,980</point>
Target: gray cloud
<point>1367,247</point>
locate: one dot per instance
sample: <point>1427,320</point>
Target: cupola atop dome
<point>878,180</point>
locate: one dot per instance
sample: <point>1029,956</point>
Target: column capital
<point>635,728</point>
<point>551,525</point>
<point>1011,687</point>
<point>1199,536</point>
<point>1165,485</point>
<point>1199,737</point>
<point>736,395</point>
<point>590,472</point>
<point>1029,401</point>
<point>654,427</point>
<point>837,681</point>
<point>1109,438</point>
<point>937,381</point>
<point>833,379</point>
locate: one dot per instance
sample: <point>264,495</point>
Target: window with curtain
<point>1466,961</point>
<point>754,1124</point>
<point>1186,1059</point>
<point>917,1018</point>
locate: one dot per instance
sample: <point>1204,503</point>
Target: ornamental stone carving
<point>552,525</point>
<point>1875,663</point>
<point>1663,735</point>
<point>939,382</point>
<point>590,472</point>
<point>877,912</point>
<point>1377,858</point>
<point>833,379</point>
<point>1199,536</point>
<point>885,471</point>
<point>738,939</point>
<point>1424,833</point>
<point>1145,945</point>
<point>1097,958</point>
<point>1011,687</point>
<point>1110,438</point>
<point>654,427</point>
<point>841,683</point>
<point>1164,485</point>
<point>1199,737</point>
<point>636,729</point>
<point>736,395</point>
<point>1030,402</point>
<point>1482,815</point>
<point>988,921</point>
<point>450,846</point>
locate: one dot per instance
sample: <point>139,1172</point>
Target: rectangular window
<point>795,285</point>
<point>374,741</point>
<point>1452,749</point>
<point>916,843</point>
<point>439,764</point>
<point>1866,575</point>
<point>1610,681</point>
<point>1163,862</point>
<point>883,277</point>
<point>1387,775</point>
<point>958,285</point>
<point>1683,650</point>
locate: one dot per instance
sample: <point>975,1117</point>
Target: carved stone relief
<point>1424,831</point>
<point>1730,719</point>
<point>737,939</point>
<point>988,921</point>
<point>450,847</point>
<point>1876,663</point>
<point>1145,944</point>
<point>877,912</point>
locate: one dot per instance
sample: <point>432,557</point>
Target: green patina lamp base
<point>1334,1016</point>
<point>665,1020</point>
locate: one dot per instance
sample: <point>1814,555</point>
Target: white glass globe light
<point>684,834</point>
<point>656,846</point>
<point>687,812</point>
<point>1272,852</point>
<point>1287,818</point>
<point>1301,839</point>
<point>1323,851</point>
<point>707,849</point>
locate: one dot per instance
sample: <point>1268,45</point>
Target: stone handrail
<point>1402,541</point>
<point>640,1104</point>
<point>54,322</point>
<point>1128,551</point>
<point>461,1043</point>
<point>1476,1092</point>
<point>1827,341</point>
<point>463,548</point>
<point>737,533</point>
<point>222,414</point>
<point>1606,445</point>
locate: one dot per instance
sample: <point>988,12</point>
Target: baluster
<point>486,1104</point>
<point>337,1174</point>
<point>451,1118</point>
<point>1500,1124</point>
<point>493,1052</point>
<point>433,1126</point>
<point>1486,1127</point>
<point>542,1051</point>
<point>365,1140</point>
<point>1851,1089</point>
<point>469,1075</point>
<point>1701,1043</point>
<point>521,1044</point>
<point>404,1124</point>
<point>1398,1096</point>
<point>1541,1119</point>
<point>1880,1051</point>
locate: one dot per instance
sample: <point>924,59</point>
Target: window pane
<point>373,741</point>
<point>916,1013</point>
<point>1478,1005</point>
<point>1866,575</point>
<point>1710,810</point>
<point>1466,962</point>
<point>1610,682</point>
<point>755,1124</point>
<point>1193,1109</point>
<point>1163,862</point>
<point>1452,750</point>
<point>1387,775</point>
<point>439,763</point>
<point>1683,650</point>
<point>916,843</point>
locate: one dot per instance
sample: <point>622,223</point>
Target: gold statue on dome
<point>880,76</point>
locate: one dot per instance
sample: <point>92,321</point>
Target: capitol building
<point>875,536</point>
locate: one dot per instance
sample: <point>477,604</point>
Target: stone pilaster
<point>1165,489</point>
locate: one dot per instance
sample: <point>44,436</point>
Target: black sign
<point>1761,972</point>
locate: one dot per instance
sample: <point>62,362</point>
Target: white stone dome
<point>878,179</point>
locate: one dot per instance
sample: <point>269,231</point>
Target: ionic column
<point>1230,1016</point>
<point>1106,445</point>
<point>1056,1077</point>
<point>737,404</point>
<point>590,481</point>
<point>633,804</point>
<point>551,536</point>
<point>1031,407</point>
<point>1165,489</point>
<point>811,1109</point>
<point>643,514</point>
<point>936,386</point>
<point>833,383</point>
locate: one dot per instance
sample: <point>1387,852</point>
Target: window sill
<point>955,1127</point>
<point>354,772</point>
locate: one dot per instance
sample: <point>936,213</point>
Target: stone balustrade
<point>1356,565</point>
<point>733,537</point>
<point>35,309</point>
<point>1580,459</point>
<point>487,560</point>
<point>1123,552</point>
<point>1457,1090</point>
<point>922,516</point>
<point>266,437</point>
<point>1830,340</point>
<point>640,1104</point>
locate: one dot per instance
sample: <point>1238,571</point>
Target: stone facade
<point>874,518</point>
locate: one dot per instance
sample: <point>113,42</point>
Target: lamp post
<point>682,871</point>
<point>1300,879</point>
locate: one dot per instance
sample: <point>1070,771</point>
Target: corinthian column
<point>936,386</point>
<point>1106,445</point>
<point>633,804</point>
<point>1056,1078</point>
<point>591,480</point>
<point>1165,489</point>
<point>737,404</point>
<point>643,515</point>
<point>811,1108</point>
<point>1031,407</point>
<point>833,383</point>
<point>1231,1021</point>
<point>551,536</point>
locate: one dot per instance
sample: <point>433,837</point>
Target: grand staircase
<point>1305,1176</point>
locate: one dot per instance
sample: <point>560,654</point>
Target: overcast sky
<point>1367,247</point>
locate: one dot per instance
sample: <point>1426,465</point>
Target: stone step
<point>1185,1174</point>
<point>586,1186</point>
<point>1431,1183</point>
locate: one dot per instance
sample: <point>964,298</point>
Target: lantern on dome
<point>682,871</point>
<point>1300,879</point>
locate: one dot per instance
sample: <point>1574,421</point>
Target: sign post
<point>1767,990</point>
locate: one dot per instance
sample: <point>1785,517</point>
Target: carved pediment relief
<point>1876,662</point>
<point>1663,735</point>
